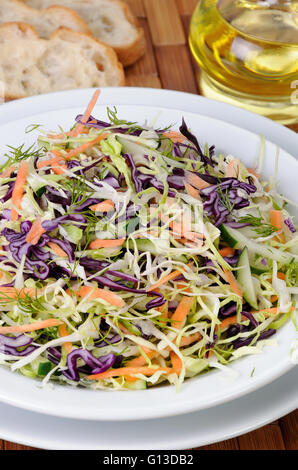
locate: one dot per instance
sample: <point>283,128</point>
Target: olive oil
<point>248,53</point>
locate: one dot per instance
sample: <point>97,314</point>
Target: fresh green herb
<point>17,154</point>
<point>31,128</point>
<point>225,199</point>
<point>261,228</point>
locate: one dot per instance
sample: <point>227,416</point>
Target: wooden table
<point>169,64</point>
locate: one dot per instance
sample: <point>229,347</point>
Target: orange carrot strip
<point>164,280</point>
<point>196,181</point>
<point>48,162</point>
<point>63,332</point>
<point>277,222</point>
<point>80,127</point>
<point>103,294</point>
<point>253,172</point>
<point>105,206</point>
<point>174,136</point>
<point>13,293</point>
<point>129,371</point>
<point>187,340</point>
<point>140,360</point>
<point>8,171</point>
<point>233,168</point>
<point>68,134</point>
<point>227,251</point>
<point>192,191</point>
<point>57,250</point>
<point>181,312</point>
<point>98,243</point>
<point>232,320</point>
<point>35,232</point>
<point>176,362</point>
<point>38,325</point>
<point>18,190</point>
<point>81,148</point>
<point>233,283</point>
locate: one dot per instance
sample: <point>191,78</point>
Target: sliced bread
<point>111,21</point>
<point>44,21</point>
<point>30,65</point>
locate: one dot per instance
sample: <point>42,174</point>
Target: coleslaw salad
<point>130,256</point>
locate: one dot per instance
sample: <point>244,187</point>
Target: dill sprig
<point>224,198</point>
<point>17,154</point>
<point>261,228</point>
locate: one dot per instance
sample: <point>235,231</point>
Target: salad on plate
<point>132,256</point>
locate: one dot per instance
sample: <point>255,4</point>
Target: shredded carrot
<point>38,325</point>
<point>8,171</point>
<point>187,340</point>
<point>49,162</point>
<point>130,371</point>
<point>233,283</point>
<point>140,360</point>
<point>35,232</point>
<point>279,275</point>
<point>233,319</point>
<point>174,136</point>
<point>98,243</point>
<point>276,220</point>
<point>181,312</point>
<point>57,250</point>
<point>13,293</point>
<point>80,127</point>
<point>164,280</point>
<point>192,191</point>
<point>273,310</point>
<point>98,293</point>
<point>233,168</point>
<point>63,332</point>
<point>253,172</point>
<point>105,206</point>
<point>196,181</point>
<point>227,251</point>
<point>81,148</point>
<point>176,362</point>
<point>18,190</point>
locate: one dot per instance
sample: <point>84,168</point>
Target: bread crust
<point>29,32</point>
<point>127,53</point>
<point>62,11</point>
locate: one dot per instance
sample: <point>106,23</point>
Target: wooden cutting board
<point>169,64</point>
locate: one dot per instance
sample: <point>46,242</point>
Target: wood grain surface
<point>169,64</point>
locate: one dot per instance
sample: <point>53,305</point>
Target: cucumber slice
<point>236,239</point>
<point>137,385</point>
<point>244,279</point>
<point>257,267</point>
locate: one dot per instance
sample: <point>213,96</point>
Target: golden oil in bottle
<point>248,54</point>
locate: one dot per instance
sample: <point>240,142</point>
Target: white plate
<point>181,432</point>
<point>136,104</point>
